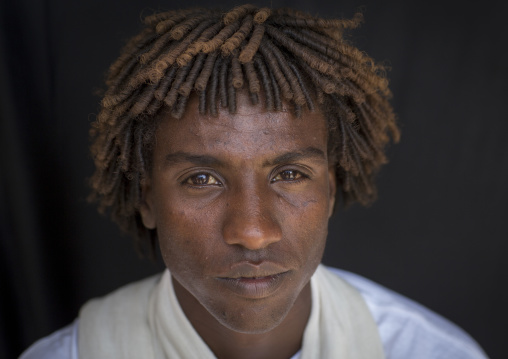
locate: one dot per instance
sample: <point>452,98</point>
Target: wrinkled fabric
<point>407,329</point>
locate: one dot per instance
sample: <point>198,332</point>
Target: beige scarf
<point>144,320</point>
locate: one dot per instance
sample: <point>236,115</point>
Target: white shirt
<point>407,329</point>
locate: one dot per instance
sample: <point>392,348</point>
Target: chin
<point>253,319</point>
<point>251,322</point>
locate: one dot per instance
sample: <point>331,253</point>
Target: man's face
<point>241,206</point>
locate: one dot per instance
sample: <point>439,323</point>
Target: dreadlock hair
<point>285,55</point>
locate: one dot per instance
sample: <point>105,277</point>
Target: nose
<point>249,220</point>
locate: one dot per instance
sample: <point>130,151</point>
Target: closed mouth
<point>254,286</point>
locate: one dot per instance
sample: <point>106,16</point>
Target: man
<point>226,139</point>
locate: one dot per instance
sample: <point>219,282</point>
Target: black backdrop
<point>437,233</point>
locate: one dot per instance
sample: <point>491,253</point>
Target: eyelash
<point>299,177</point>
<point>188,180</point>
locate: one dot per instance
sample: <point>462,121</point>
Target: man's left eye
<point>288,175</point>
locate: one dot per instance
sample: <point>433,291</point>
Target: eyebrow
<point>206,160</point>
<point>309,152</point>
<point>199,160</point>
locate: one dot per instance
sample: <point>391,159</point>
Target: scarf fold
<point>144,320</point>
<point>340,323</point>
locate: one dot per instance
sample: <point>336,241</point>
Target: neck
<point>283,341</point>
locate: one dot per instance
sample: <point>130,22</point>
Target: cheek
<point>306,222</point>
<point>184,239</point>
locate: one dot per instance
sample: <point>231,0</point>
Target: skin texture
<point>241,206</point>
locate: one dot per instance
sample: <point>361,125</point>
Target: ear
<point>332,189</point>
<point>147,209</point>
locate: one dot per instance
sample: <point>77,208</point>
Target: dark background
<point>437,233</point>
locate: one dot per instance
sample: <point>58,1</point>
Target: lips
<point>254,281</point>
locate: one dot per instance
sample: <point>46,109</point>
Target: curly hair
<point>282,54</point>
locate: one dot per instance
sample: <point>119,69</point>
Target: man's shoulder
<point>61,344</point>
<point>408,329</point>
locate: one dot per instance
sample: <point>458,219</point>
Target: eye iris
<point>200,179</point>
<point>289,175</point>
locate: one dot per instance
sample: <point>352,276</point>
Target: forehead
<point>251,128</point>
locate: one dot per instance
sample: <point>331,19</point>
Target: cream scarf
<point>144,320</point>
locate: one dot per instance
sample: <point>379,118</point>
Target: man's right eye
<point>202,179</point>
